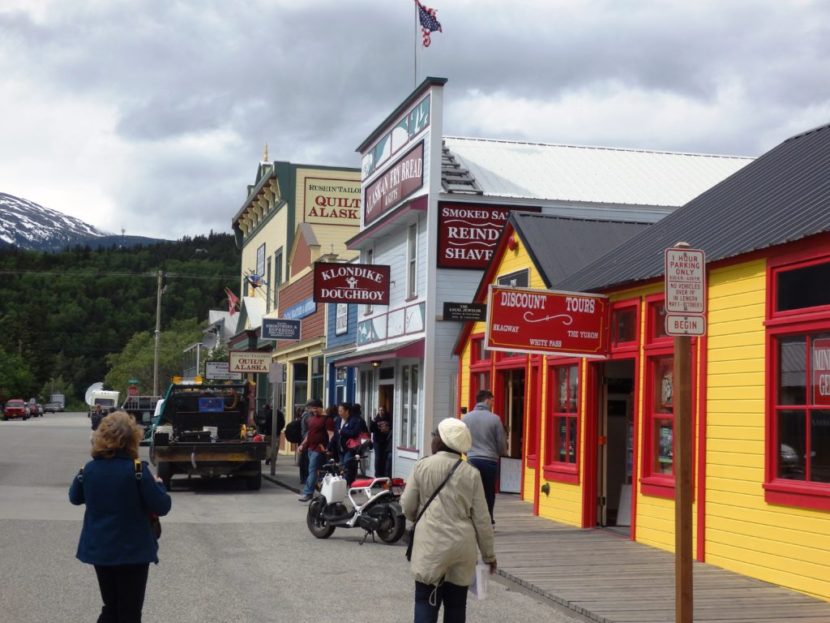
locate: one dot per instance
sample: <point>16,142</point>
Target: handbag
<point>355,442</point>
<point>155,522</point>
<point>423,510</point>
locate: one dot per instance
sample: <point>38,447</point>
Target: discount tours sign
<point>547,322</point>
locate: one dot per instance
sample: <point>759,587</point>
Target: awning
<point>412,349</point>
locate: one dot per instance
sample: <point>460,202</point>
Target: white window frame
<point>412,261</point>
<point>341,318</point>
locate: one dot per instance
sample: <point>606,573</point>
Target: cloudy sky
<point>151,115</point>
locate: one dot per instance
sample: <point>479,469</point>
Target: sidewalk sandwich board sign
<point>547,322</point>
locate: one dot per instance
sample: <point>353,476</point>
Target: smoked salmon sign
<point>468,233</point>
<point>547,322</point>
<point>367,284</point>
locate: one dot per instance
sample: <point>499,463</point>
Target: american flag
<point>429,22</point>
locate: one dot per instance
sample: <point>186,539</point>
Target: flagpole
<point>415,48</point>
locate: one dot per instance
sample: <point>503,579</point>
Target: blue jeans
<point>350,465</point>
<point>489,475</point>
<point>427,604</point>
<point>315,459</point>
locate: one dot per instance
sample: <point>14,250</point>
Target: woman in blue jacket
<point>347,434</point>
<point>117,538</point>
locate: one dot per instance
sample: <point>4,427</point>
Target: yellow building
<point>289,202</point>
<point>596,437</point>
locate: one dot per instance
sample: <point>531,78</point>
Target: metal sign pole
<point>684,601</point>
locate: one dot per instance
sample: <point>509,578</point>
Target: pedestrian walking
<point>489,443</point>
<point>316,441</point>
<point>451,525</point>
<point>117,538</point>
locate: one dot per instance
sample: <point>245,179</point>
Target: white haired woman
<point>453,524</point>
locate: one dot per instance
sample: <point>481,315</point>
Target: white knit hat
<point>455,434</point>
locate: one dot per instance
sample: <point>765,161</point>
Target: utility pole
<point>157,334</point>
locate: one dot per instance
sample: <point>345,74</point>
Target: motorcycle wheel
<point>318,526</point>
<point>392,527</point>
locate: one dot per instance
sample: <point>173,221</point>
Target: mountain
<point>26,225</point>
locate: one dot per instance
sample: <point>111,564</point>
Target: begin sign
<point>547,322</point>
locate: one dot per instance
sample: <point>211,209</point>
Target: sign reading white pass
<point>685,272</point>
<point>685,325</point>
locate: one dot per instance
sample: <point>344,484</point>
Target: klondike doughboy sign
<point>367,284</point>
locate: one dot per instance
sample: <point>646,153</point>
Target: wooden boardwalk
<point>611,579</point>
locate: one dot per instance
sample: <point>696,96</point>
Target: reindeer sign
<point>351,283</point>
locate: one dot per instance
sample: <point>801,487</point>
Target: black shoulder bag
<point>417,519</point>
<point>155,522</point>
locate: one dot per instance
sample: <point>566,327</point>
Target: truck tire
<point>165,472</point>
<point>254,483</point>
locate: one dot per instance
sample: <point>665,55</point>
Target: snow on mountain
<point>27,225</point>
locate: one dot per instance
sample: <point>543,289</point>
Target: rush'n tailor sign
<point>547,322</point>
<point>468,233</point>
<point>351,283</point>
<point>398,182</point>
<point>249,362</point>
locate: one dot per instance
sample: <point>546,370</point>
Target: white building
<point>432,209</point>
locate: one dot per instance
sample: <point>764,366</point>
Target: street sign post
<point>685,305</point>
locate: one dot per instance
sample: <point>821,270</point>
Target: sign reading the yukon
<point>331,201</point>
<point>547,322</point>
<point>351,283</point>
<point>398,182</point>
<point>468,233</point>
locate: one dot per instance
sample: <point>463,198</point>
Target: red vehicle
<point>15,408</point>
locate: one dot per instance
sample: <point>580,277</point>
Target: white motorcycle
<point>370,503</point>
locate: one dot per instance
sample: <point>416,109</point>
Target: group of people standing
<point>338,432</point>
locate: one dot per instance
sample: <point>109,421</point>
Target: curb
<point>508,578</point>
<point>276,480</point>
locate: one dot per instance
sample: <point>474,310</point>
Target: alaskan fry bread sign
<point>547,322</point>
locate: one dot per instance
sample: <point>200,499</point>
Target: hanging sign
<point>351,283</point>
<point>241,361</point>
<point>547,322</point>
<point>280,329</point>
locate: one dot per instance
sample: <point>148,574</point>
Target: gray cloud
<point>187,92</point>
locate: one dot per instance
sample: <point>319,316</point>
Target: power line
<point>98,273</point>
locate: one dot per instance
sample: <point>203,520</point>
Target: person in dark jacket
<point>347,436</point>
<point>117,537</point>
<point>381,428</point>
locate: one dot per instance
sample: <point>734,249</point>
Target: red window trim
<point>781,491</point>
<point>652,302</point>
<point>533,409</point>
<point>557,471</point>
<point>634,345</point>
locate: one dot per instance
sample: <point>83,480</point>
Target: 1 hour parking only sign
<point>685,284</point>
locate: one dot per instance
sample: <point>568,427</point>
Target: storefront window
<point>803,408</point>
<point>409,407</point>
<point>479,370</point>
<point>624,325</point>
<point>798,438</point>
<point>563,435</point>
<point>317,377</point>
<point>661,416</point>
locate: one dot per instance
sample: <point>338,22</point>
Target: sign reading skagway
<point>351,283</point>
<point>547,322</point>
<point>399,181</point>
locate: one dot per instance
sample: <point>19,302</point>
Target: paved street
<point>226,554</point>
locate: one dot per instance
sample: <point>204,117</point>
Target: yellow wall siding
<point>529,477</point>
<point>778,544</point>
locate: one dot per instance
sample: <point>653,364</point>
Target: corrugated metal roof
<point>598,175</point>
<point>782,196</point>
<point>560,246</point>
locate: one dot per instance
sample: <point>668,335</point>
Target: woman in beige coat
<point>444,550</point>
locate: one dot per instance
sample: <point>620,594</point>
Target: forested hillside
<point>61,314</point>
